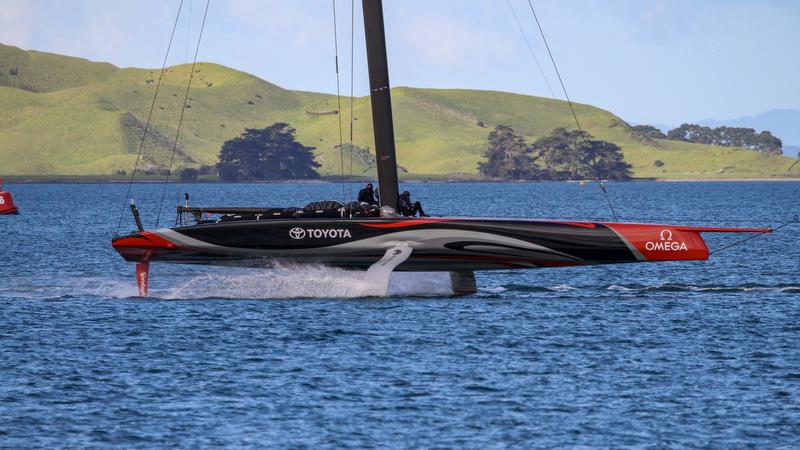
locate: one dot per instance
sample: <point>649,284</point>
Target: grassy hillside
<point>45,72</point>
<point>68,116</point>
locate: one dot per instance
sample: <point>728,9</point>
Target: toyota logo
<point>297,233</point>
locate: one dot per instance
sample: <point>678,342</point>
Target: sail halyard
<point>381,99</point>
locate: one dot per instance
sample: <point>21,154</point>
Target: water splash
<point>276,283</point>
<point>303,282</point>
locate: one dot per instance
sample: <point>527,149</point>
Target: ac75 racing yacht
<point>336,235</point>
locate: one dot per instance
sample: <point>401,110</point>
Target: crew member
<point>367,195</point>
<point>409,209</point>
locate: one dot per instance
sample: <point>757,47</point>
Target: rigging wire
<point>149,117</point>
<point>796,219</point>
<point>791,167</point>
<point>183,111</point>
<point>339,101</point>
<point>571,106</point>
<point>530,48</point>
<point>188,32</point>
<point>352,84</point>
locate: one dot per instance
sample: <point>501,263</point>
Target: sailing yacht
<point>332,234</point>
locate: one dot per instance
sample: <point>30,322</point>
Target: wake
<point>319,282</point>
<point>644,288</point>
<point>286,282</point>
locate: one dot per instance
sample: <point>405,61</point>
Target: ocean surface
<point>697,354</point>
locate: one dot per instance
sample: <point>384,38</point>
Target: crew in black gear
<point>358,209</point>
<point>409,209</point>
<point>367,195</point>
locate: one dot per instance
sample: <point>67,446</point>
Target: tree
<point>603,160</point>
<point>770,144</point>
<point>271,153</point>
<point>648,132</point>
<point>189,174</point>
<point>572,155</point>
<point>558,154</point>
<point>207,170</point>
<point>691,133</point>
<point>508,156</point>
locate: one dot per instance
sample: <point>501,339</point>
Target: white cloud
<point>446,42</point>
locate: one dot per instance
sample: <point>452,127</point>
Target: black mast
<point>382,124</point>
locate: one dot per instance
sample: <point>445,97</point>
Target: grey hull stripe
<point>634,250</point>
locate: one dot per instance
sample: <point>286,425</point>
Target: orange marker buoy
<point>7,205</point>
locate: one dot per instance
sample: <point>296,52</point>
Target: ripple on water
<point>664,355</point>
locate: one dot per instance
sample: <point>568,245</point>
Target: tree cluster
<point>191,174</point>
<point>728,137</point>
<point>648,132</point>
<point>564,155</point>
<point>271,153</point>
<point>508,156</point>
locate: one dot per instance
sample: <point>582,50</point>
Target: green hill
<point>68,116</point>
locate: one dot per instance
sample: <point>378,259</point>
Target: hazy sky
<point>661,62</point>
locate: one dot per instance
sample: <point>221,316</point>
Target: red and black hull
<point>438,244</point>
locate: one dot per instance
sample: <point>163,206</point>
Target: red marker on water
<point>7,205</point>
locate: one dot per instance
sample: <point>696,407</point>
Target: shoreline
<point>698,180</point>
<point>101,180</point>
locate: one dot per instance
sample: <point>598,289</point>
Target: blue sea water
<point>697,354</point>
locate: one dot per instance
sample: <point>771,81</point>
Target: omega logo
<point>665,243</point>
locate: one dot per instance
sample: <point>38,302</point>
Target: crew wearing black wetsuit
<point>407,208</point>
<point>367,195</point>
